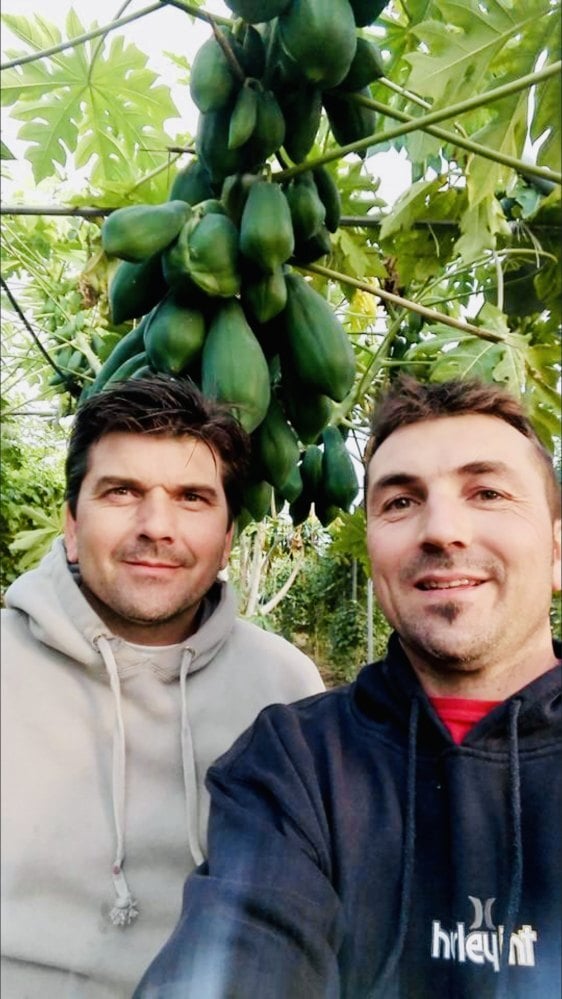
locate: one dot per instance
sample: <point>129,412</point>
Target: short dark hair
<point>160,405</point>
<point>410,401</point>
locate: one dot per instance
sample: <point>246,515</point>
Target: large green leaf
<point>103,110</point>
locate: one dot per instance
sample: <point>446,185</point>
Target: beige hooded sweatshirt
<point>105,747</point>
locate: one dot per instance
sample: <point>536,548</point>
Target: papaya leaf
<point>104,112</point>
<point>460,48</point>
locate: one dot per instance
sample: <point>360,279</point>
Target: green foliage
<point>32,489</point>
<point>103,108</point>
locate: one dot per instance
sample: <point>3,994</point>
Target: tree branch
<point>476,101</point>
<point>265,609</point>
<point>31,331</point>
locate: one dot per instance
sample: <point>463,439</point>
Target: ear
<point>70,541</point>
<point>227,546</point>
<point>557,557</point>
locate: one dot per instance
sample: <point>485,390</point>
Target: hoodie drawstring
<point>516,881</point>
<point>408,847</point>
<point>188,764</point>
<point>125,909</point>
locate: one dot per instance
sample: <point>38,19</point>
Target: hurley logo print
<point>481,942</point>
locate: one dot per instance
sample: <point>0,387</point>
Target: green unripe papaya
<point>367,65</point>
<point>302,109</point>
<point>211,144</point>
<point>234,194</point>
<point>320,37</point>
<point>173,336</point>
<point>320,351</point>
<point>192,184</point>
<point>311,249</point>
<point>309,412</point>
<point>211,245</point>
<point>276,444</point>
<point>366,11</point>
<point>256,498</point>
<point>234,369</point>
<point>135,289</point>
<point>243,117</point>
<point>329,195</point>
<point>311,469</point>
<point>269,131</point>
<point>265,297</point>
<point>138,231</point>
<point>212,82</point>
<point>266,230</point>
<point>307,210</point>
<point>349,121</point>
<point>339,480</point>
<point>256,11</point>
<point>127,369</point>
<point>292,486</point>
<point>254,54</point>
<point>128,346</point>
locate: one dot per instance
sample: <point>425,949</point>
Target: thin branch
<point>228,52</point>
<point>197,12</point>
<point>80,39</point>
<point>477,101</point>
<point>406,303</point>
<point>521,166</point>
<point>30,330</point>
<point>265,609</point>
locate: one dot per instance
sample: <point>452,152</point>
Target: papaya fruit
<point>234,194</point>
<point>211,144</point>
<point>265,297</point>
<point>138,231</point>
<point>349,121</point>
<point>135,288</point>
<point>127,370</point>
<point>266,230</point>
<point>366,11</point>
<point>212,82</point>
<point>192,184</point>
<point>130,344</point>
<point>173,336</point>
<point>243,117</point>
<point>329,195</point>
<point>210,246</point>
<point>253,52</point>
<point>307,209</point>
<point>311,469</point>
<point>339,480</point>
<point>276,446</point>
<point>256,498</point>
<point>309,412</point>
<point>269,130</point>
<point>319,349</point>
<point>320,37</point>
<point>311,249</point>
<point>292,486</point>
<point>302,109</point>
<point>234,369</point>
<point>255,11</point>
<point>367,65</point>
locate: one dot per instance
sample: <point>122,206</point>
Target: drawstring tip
<point>124,911</point>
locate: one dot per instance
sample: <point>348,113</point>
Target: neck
<point>480,680</point>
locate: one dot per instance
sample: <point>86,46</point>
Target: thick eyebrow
<point>470,468</point>
<point>115,481</point>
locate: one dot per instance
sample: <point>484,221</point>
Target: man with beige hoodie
<point>125,674</point>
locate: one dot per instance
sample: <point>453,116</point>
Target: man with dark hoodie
<point>125,673</point>
<point>400,837</point>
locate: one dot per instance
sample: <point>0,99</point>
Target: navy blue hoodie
<point>355,851</point>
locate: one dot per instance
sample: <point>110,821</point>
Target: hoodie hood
<point>60,617</point>
<point>383,693</point>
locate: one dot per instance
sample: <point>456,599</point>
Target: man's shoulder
<point>272,655</point>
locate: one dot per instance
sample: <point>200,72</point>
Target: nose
<point>445,522</point>
<point>156,516</point>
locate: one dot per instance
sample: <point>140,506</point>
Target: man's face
<point>150,533</point>
<point>462,545</point>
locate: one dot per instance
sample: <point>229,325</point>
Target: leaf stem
<point>405,303</point>
<point>476,101</point>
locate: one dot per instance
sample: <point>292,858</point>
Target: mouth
<point>430,583</point>
<point>152,566</point>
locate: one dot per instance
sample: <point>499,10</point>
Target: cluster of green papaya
<point>208,272</point>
